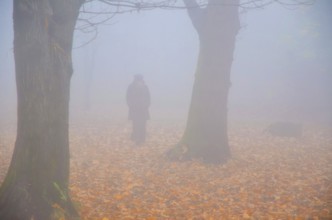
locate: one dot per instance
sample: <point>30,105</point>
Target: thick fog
<point>281,69</point>
<point>273,161</point>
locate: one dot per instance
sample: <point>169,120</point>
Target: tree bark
<point>205,136</point>
<point>36,184</point>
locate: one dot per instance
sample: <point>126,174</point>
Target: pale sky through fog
<point>281,68</point>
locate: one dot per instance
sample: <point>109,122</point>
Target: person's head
<point>138,77</point>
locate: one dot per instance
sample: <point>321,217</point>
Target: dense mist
<point>149,125</point>
<point>281,68</point>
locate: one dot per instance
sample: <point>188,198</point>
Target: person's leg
<point>141,131</point>
<point>135,131</point>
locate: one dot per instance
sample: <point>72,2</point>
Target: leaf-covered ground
<point>267,178</point>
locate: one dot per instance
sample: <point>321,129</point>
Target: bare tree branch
<point>108,9</point>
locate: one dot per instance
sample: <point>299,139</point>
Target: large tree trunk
<point>205,136</point>
<point>36,185</point>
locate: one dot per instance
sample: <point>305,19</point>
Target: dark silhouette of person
<point>138,100</point>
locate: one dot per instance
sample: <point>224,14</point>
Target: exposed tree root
<point>183,152</point>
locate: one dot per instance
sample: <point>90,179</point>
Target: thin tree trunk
<point>205,136</point>
<point>36,185</point>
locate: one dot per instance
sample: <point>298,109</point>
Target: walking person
<point>138,101</point>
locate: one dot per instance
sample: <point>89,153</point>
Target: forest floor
<point>267,178</point>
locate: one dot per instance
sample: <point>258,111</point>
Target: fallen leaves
<point>267,177</point>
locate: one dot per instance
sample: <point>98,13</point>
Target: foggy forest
<point>165,109</point>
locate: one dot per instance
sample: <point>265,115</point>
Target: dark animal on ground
<point>285,129</point>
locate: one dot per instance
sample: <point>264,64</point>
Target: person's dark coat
<point>138,100</point>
